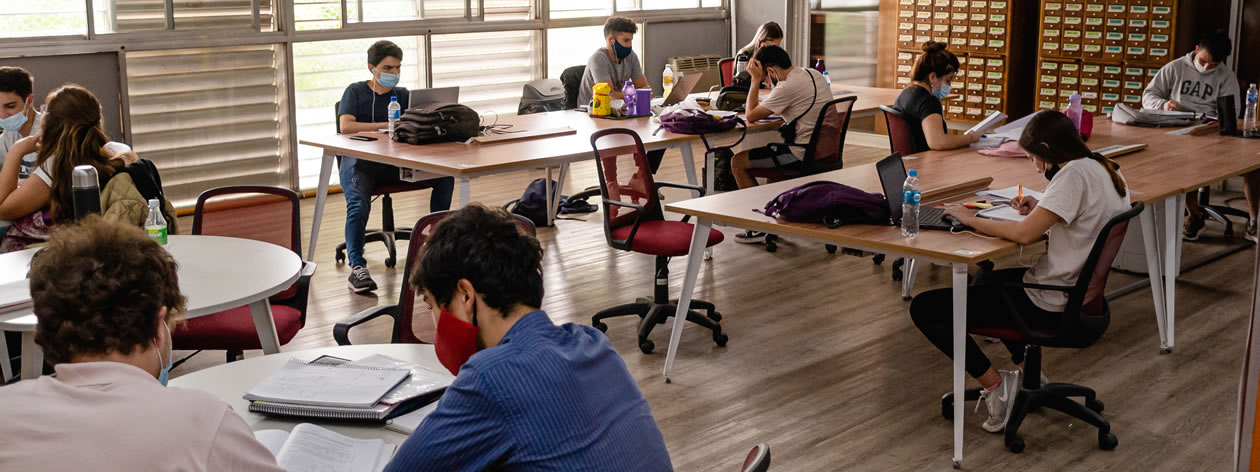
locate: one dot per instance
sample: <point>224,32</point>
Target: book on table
<point>314,448</point>
<point>374,389</point>
<point>15,295</point>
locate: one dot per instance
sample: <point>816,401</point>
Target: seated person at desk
<point>1193,83</point>
<point>365,107</point>
<point>105,298</point>
<point>1084,193</point>
<point>769,33</point>
<point>18,117</point>
<point>614,64</point>
<point>528,395</point>
<point>920,103</point>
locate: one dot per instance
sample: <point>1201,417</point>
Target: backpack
<point>829,203</point>
<point>533,203</point>
<point>698,122</point>
<point>437,122</point>
<point>731,98</point>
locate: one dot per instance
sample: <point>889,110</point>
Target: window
<point>629,5</point>
<point>209,117</point>
<point>321,72</point>
<point>42,18</point>
<point>580,8</point>
<point>490,69</point>
<point>128,16</point>
<point>568,47</point>
<point>846,35</point>
<point>316,14</point>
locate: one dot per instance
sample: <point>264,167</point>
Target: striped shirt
<point>546,398</point>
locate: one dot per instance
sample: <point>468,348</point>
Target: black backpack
<point>533,203</point>
<point>438,122</point>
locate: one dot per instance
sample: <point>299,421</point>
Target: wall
<point>749,14</point>
<point>97,72</point>
<point>665,40</point>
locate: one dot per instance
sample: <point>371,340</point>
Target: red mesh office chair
<point>634,221</point>
<point>758,459</point>
<point>406,329</point>
<point>1084,321</point>
<point>726,68</point>
<point>261,213</point>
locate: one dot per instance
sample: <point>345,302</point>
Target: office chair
<point>634,221</point>
<point>1221,213</point>
<point>726,71</point>
<point>261,213</point>
<point>404,330</point>
<point>571,78</point>
<point>1084,321</point>
<point>758,459</point>
<point>823,153</point>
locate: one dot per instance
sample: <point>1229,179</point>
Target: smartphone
<point>363,138</point>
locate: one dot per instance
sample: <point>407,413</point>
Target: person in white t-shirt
<point>1086,191</point>
<point>18,118</point>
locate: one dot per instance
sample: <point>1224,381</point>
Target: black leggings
<point>932,313</point>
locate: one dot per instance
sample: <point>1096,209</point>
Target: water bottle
<point>86,191</point>
<point>827,78</point>
<point>1074,110</point>
<point>1249,113</point>
<point>821,66</point>
<point>667,81</point>
<point>910,197</point>
<point>155,224</point>
<point>628,96</point>
<point>395,112</point>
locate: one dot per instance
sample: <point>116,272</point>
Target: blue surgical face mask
<point>943,92</point>
<point>388,80</point>
<point>622,52</point>
<point>15,122</point>
<point>164,375</point>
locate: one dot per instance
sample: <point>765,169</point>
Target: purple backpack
<point>697,122</point>
<point>829,203</point>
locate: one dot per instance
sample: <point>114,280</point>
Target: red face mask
<point>455,341</point>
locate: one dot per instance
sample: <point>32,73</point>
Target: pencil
<point>1020,195</point>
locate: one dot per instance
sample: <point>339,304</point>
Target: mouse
<point>954,224</point>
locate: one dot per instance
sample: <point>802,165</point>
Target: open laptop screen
<point>892,176</point>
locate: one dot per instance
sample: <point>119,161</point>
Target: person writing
<point>528,394</point>
<point>1085,192</point>
<point>106,298</point>
<point>920,103</point>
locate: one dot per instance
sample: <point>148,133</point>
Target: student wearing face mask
<point>106,297</point>
<point>920,103</point>
<point>1193,83</point>
<point>364,107</point>
<point>18,117</point>
<point>528,394</point>
<point>614,64</point>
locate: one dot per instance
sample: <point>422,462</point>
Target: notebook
<point>410,422</point>
<point>15,295</point>
<point>1001,213</point>
<point>1008,193</point>
<point>313,448</point>
<point>422,387</point>
<point>346,385</point>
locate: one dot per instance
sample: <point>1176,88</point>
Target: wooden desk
<point>468,161</point>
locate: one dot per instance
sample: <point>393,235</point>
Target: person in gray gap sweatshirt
<point>1193,83</point>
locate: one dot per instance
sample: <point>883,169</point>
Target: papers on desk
<point>15,295</point>
<point>312,448</point>
<point>988,123</point>
<point>1117,150</point>
<point>1008,193</point>
<point>345,385</point>
<point>1001,213</point>
<point>410,422</point>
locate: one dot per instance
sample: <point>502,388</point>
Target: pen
<point>1021,192</point>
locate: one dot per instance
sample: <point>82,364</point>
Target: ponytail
<point>1113,170</point>
<point>1053,138</point>
<point>936,59</point>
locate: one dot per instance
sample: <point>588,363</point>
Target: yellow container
<point>601,104</point>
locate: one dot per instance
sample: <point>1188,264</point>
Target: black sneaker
<point>1194,227</point>
<point>360,280</point>
<point>751,237</point>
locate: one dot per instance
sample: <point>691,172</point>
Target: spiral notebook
<point>346,386</point>
<point>419,387</point>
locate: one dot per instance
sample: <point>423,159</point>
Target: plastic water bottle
<point>395,112</point>
<point>1074,110</point>
<point>827,78</point>
<point>1249,114</point>
<point>628,95</point>
<point>155,224</point>
<point>667,81</point>
<point>910,197</point>
<point>821,66</point>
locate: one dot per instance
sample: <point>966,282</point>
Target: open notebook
<point>312,448</point>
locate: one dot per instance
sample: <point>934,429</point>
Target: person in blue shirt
<point>528,395</point>
<point>364,107</point>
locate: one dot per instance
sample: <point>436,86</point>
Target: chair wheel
<point>341,257</point>
<point>897,275</point>
<point>715,316</point>
<point>947,406</point>
<point>1107,441</point>
<point>771,247</point>
<point>603,328</point>
<point>878,259</point>
<point>1095,405</point>
<point>389,262</point>
<point>720,339</point>
<point>1016,445</point>
<point>647,346</point>
<point>831,248</point>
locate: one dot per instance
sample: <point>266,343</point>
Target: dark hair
<point>935,59</point>
<point>1053,138</point>
<point>97,288</point>
<point>619,24</point>
<point>383,49</point>
<point>768,31</point>
<point>17,81</point>
<point>486,246</point>
<point>1217,44</point>
<point>72,135</point>
<point>771,55</point>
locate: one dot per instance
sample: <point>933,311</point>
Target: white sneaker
<point>1000,401</point>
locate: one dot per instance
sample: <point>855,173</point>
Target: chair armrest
<point>696,188</point>
<point>638,218</point>
<point>341,331</point>
<point>298,302</point>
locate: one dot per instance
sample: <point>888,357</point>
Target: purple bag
<point>697,122</point>
<point>829,203</point>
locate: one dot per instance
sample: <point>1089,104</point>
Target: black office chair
<point>1220,213</point>
<point>758,459</point>
<point>1084,321</point>
<point>572,80</point>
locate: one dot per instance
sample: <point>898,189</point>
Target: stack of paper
<point>310,447</point>
<point>373,389</point>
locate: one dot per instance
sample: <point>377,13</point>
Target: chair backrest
<point>407,297</point>
<point>758,459</point>
<point>826,143</point>
<point>337,116</point>
<point>898,131</point>
<point>262,213</point>
<point>571,78</point>
<point>1088,296</point>
<point>726,68</point>
<point>624,176</point>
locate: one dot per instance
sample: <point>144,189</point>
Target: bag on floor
<point>533,203</point>
<point>828,203</point>
<point>437,122</point>
<point>720,156</point>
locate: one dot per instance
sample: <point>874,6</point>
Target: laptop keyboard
<point>933,216</point>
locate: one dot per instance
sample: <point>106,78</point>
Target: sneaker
<point>360,280</point>
<point>1194,227</point>
<point>1251,231</point>
<point>1000,401</point>
<point>751,237</point>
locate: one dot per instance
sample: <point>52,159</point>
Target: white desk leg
<point>550,199</point>
<point>465,191</point>
<point>908,273</point>
<point>1172,238</point>
<point>553,201</point>
<point>265,325</point>
<point>1155,270</point>
<point>695,257</point>
<point>689,165</point>
<point>960,357</point>
<point>321,196</point>
<point>32,357</point>
<point>6,369</point>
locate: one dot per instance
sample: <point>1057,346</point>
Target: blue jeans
<point>358,178</point>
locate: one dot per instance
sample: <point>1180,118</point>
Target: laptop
<point>680,91</point>
<point>892,175</point>
<point>429,96</point>
<point>1228,119</point>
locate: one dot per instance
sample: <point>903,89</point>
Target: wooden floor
<point>824,364</point>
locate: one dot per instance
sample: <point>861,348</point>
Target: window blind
<point>126,16</point>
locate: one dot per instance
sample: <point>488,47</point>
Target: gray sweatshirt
<point>1179,80</point>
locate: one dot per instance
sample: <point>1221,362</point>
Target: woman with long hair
<point>768,33</point>
<point>921,104</point>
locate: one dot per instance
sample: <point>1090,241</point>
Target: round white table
<point>229,382</point>
<point>216,273</point>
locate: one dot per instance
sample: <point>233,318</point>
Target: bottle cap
<point>84,176</point>
<point>393,98</point>
<point>914,173</point>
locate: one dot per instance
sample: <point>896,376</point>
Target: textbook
<point>421,386</point>
<point>310,447</point>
